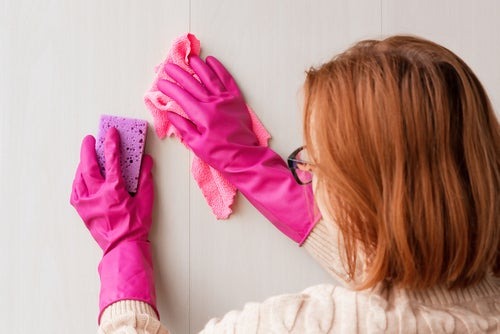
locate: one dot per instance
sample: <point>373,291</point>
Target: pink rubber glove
<point>118,222</point>
<point>220,133</point>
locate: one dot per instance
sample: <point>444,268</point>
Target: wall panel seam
<point>381,17</point>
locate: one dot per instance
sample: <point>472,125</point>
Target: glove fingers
<point>187,81</point>
<point>146,177</point>
<point>187,102</point>
<point>89,167</point>
<point>207,75</point>
<point>223,74</point>
<point>112,157</point>
<point>186,128</point>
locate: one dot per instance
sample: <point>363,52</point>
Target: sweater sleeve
<point>130,317</point>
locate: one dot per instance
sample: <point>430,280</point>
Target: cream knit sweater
<point>328,308</point>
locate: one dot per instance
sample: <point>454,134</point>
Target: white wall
<point>63,63</point>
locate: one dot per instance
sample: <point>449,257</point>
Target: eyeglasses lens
<point>303,170</point>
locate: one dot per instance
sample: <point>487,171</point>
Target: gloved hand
<point>119,222</point>
<point>220,133</point>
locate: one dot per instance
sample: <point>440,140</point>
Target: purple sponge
<point>133,139</point>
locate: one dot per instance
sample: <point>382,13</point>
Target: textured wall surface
<point>64,63</point>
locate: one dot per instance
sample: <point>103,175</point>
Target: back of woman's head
<point>406,148</point>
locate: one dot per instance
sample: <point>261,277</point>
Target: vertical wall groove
<point>189,23</point>
<point>381,17</point>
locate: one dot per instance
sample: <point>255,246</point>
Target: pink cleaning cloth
<point>218,192</point>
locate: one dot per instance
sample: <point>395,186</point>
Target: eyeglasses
<point>300,167</point>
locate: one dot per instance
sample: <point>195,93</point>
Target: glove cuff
<point>264,179</point>
<point>126,273</point>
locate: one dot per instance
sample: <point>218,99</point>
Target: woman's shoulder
<point>329,308</point>
<point>323,308</point>
<point>475,309</point>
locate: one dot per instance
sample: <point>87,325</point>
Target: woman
<point>403,149</point>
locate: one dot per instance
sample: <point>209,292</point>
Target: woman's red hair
<point>406,148</point>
